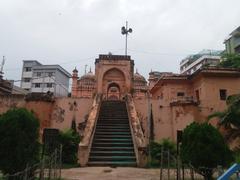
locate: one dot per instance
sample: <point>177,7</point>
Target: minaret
<point>74,82</point>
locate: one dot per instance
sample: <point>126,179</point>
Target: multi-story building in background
<point>38,78</point>
<point>232,43</point>
<point>204,58</point>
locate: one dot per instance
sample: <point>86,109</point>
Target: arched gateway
<point>114,76</point>
<point>113,92</point>
<point>114,84</point>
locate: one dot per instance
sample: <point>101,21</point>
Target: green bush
<point>19,146</point>
<point>156,148</point>
<point>204,148</point>
<point>69,140</point>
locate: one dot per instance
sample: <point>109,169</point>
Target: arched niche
<point>114,79</point>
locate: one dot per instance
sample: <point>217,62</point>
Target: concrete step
<point>113,136</point>
<point>112,153</point>
<point>118,148</point>
<point>115,163</point>
<point>112,130</point>
<point>129,140</point>
<point>112,133</point>
<point>112,158</point>
<point>113,126</point>
<point>112,144</point>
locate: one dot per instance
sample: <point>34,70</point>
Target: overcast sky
<point>74,32</point>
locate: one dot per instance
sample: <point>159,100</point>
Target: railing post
<point>26,173</point>
<point>168,154</point>
<point>161,163</point>
<point>60,161</point>
<point>41,173</point>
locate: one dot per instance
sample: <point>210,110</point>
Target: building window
<point>49,85</point>
<point>39,74</point>
<point>37,85</point>
<point>197,95</point>
<point>27,79</point>
<point>27,69</point>
<point>223,94</point>
<point>180,94</point>
<point>50,74</point>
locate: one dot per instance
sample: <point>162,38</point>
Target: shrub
<point>69,140</point>
<point>19,146</point>
<point>204,148</point>
<point>156,148</point>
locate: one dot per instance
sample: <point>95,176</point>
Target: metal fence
<point>171,168</point>
<point>48,168</point>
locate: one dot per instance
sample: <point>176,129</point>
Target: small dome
<point>139,77</point>
<point>89,75</point>
<point>75,70</point>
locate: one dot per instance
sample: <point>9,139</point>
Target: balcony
<point>26,85</point>
<point>185,100</point>
<point>236,42</point>
<point>27,74</point>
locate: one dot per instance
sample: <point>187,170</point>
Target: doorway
<point>113,92</point>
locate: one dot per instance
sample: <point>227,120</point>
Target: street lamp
<point>125,31</point>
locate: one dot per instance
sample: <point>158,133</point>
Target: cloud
<point>74,32</point>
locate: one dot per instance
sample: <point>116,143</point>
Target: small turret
<point>74,82</point>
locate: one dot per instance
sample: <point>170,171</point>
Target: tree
<point>19,146</point>
<point>230,61</point>
<point>69,140</point>
<point>230,118</point>
<point>203,147</point>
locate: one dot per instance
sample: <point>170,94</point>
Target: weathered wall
<point>182,116</point>
<point>141,106</point>
<point>8,102</point>
<point>43,111</point>
<point>209,92</point>
<point>58,114</point>
<point>162,119</point>
<point>166,119</point>
<point>67,109</point>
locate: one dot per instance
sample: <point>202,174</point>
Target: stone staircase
<point>112,142</point>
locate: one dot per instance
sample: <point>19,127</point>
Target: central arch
<point>113,92</point>
<point>114,84</point>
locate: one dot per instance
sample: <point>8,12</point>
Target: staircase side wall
<point>86,143</point>
<point>139,140</point>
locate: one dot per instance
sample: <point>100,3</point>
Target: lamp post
<point>125,31</point>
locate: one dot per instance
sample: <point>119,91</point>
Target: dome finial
<point>75,70</point>
<point>136,71</point>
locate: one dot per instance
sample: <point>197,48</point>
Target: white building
<point>38,78</point>
<point>192,63</point>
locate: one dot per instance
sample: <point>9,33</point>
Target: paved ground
<point>107,173</point>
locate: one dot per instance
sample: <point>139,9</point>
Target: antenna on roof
<point>85,68</point>
<point>2,64</point>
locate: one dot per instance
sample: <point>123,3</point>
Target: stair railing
<point>86,143</point>
<point>139,141</point>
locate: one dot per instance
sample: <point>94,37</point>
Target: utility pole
<point>125,31</point>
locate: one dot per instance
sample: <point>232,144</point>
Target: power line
<point>159,53</point>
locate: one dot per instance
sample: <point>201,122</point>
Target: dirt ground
<point>108,173</point>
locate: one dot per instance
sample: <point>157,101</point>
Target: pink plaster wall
<point>8,102</point>
<point>141,106</point>
<point>58,114</point>
<point>64,110</point>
